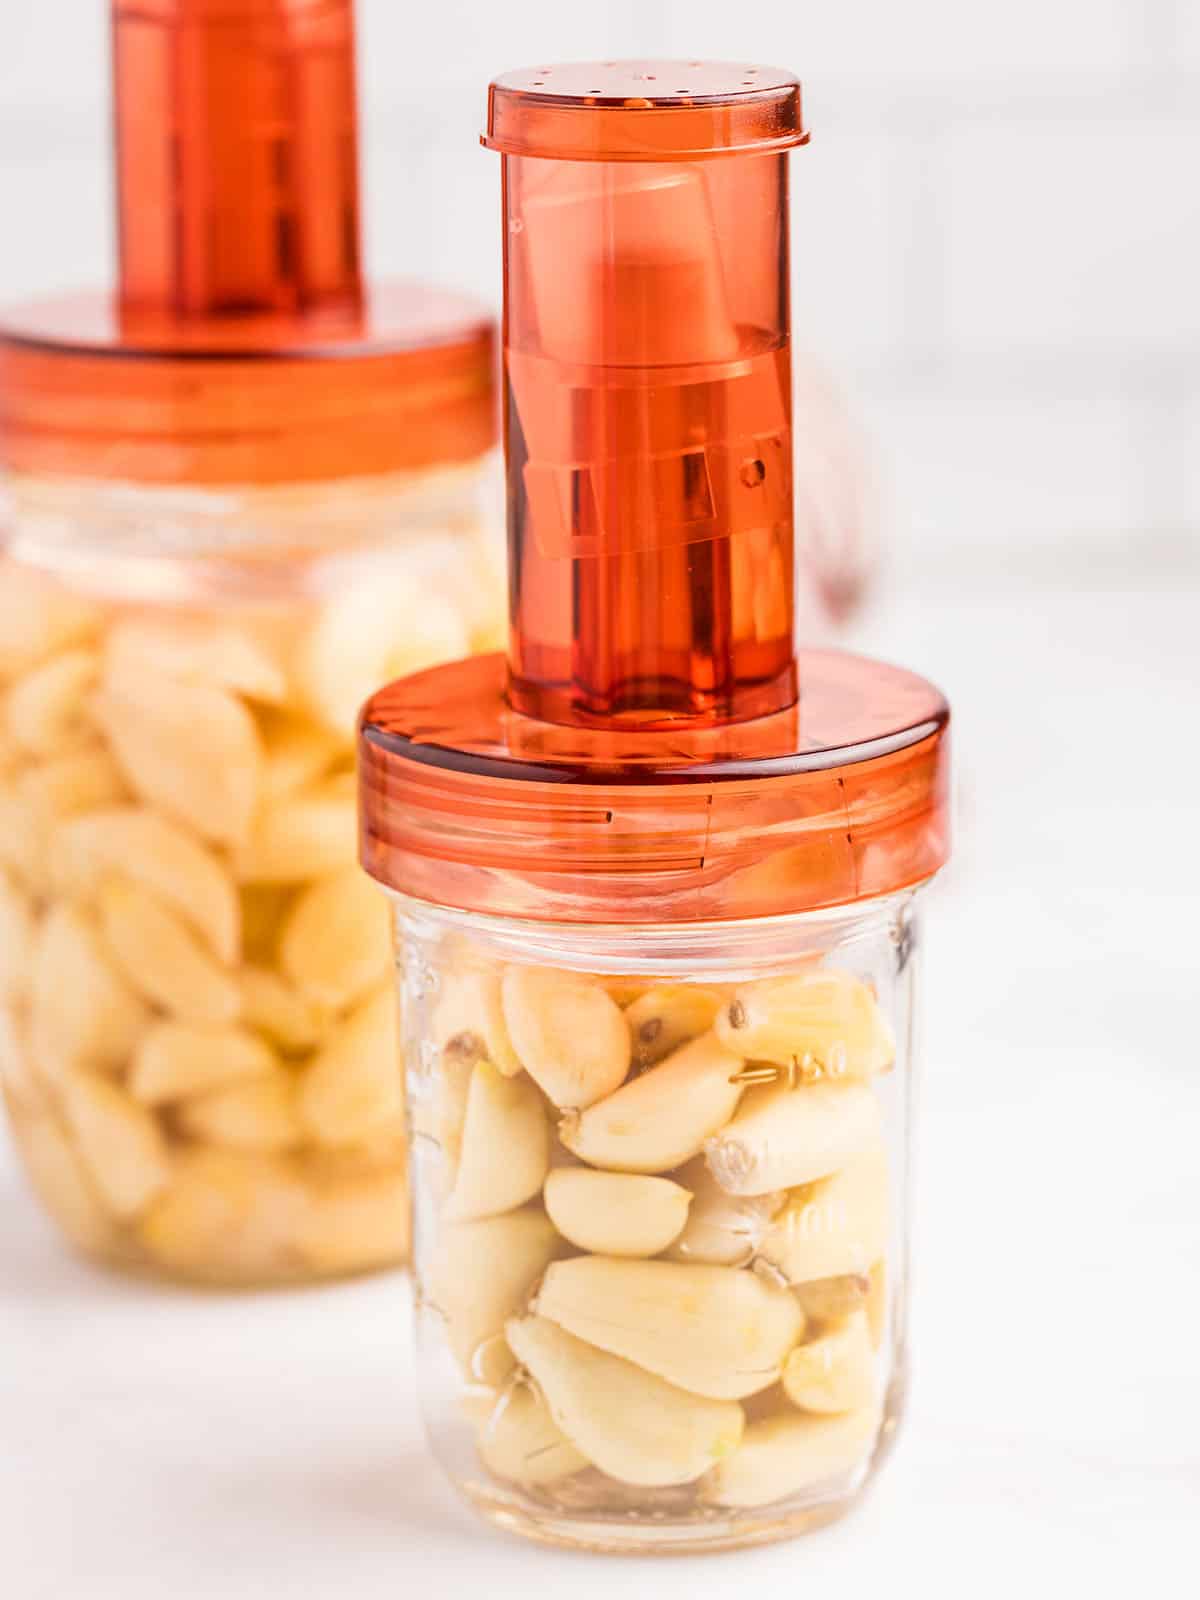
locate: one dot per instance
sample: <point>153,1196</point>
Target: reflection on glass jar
<point>197,1019</point>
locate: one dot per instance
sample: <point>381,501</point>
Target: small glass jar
<point>653,878</point>
<point>660,1183</point>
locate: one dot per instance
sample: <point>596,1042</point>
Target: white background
<point>998,251</point>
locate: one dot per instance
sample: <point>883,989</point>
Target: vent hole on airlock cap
<point>753,472</point>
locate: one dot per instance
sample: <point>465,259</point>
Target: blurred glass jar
<point>197,1021</point>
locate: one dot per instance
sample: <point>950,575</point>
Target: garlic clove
<point>83,1011</point>
<point>273,1007</point>
<point>662,1118</point>
<point>667,1016</point>
<point>569,1034</point>
<point>157,853</point>
<point>177,1060</point>
<point>519,1441</point>
<point>189,749</point>
<point>195,650</point>
<point>822,1024</point>
<point>615,1213</point>
<point>62,1183</point>
<point>160,956</point>
<point>361,640</point>
<point>835,1371</point>
<point>335,943</point>
<point>787,1455</point>
<point>469,1018</point>
<point>357,1224</point>
<point>304,835</point>
<point>226,1216</point>
<point>722,1229</point>
<point>714,1331</point>
<point>835,1226</point>
<point>121,1143</point>
<point>46,710</point>
<point>631,1424</point>
<point>782,1137</point>
<point>481,1273</point>
<point>258,1115</point>
<point>505,1145</point>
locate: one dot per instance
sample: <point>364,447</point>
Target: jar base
<point>602,1537</point>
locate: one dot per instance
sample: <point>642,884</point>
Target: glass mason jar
<point>196,1008</point>
<point>660,1182</point>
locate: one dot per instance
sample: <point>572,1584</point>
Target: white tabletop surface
<point>202,1447</point>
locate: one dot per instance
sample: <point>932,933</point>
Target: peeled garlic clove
<point>505,1145</point>
<point>662,1118</point>
<point>626,1421</point>
<point>121,1144</point>
<point>162,958</point>
<point>877,1302</point>
<point>226,1217</point>
<point>353,1085</point>
<point>37,618</point>
<point>722,1229</point>
<point>16,939</point>
<point>520,1442</point>
<point>336,942</point>
<point>61,1182</point>
<point>269,1004</point>
<point>835,1371</point>
<point>784,1455</point>
<point>481,1273</point>
<point>832,1299</point>
<point>469,1017</point>
<point>195,650</point>
<point>46,709</point>
<point>714,1331</point>
<point>157,853</point>
<point>360,640</point>
<point>569,1033</point>
<point>296,753</point>
<point>827,1023</point>
<point>667,1016</point>
<point>615,1213</point>
<point>305,835</point>
<point>357,1224</point>
<point>83,1010</point>
<point>176,1060</point>
<point>258,1116</point>
<point>782,1137</point>
<point>190,749</point>
<point>835,1226</point>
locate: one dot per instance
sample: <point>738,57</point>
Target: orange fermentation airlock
<point>653,750</point>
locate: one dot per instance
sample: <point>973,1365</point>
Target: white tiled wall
<point>997,224</point>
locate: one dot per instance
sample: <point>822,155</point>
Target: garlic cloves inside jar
<point>662,1118</point>
<point>568,1033</point>
<point>784,1136</point>
<point>615,1213</point>
<point>624,1420</point>
<point>820,1024</point>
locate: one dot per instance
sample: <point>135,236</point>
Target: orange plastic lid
<point>240,345</point>
<point>682,111</point>
<point>842,797</point>
<point>406,382</point>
